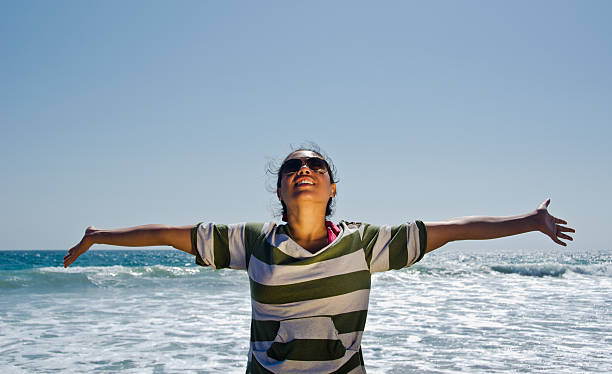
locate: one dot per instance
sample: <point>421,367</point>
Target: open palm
<point>551,226</point>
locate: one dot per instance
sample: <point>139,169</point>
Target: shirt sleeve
<point>393,247</point>
<point>219,246</point>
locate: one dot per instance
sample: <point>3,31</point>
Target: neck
<point>307,227</point>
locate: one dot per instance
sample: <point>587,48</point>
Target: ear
<point>333,190</point>
<point>278,194</point>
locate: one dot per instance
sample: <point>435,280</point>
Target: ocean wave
<point>543,269</point>
<point>58,278</point>
<point>43,280</point>
<point>553,270</point>
<point>119,276</point>
<point>532,270</point>
<point>448,270</point>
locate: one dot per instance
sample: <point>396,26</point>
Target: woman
<point>310,278</point>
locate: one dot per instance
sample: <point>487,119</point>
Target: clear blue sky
<point>121,113</point>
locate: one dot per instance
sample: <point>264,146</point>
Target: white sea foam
<point>451,313</point>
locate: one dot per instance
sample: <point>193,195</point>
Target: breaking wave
<point>553,270</point>
<point>58,278</point>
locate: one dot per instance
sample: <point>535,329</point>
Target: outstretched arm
<point>480,228</point>
<point>178,237</point>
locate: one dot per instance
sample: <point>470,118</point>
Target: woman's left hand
<point>551,226</point>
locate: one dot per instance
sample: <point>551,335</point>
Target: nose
<point>304,170</point>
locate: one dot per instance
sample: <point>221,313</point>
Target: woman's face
<point>305,185</point>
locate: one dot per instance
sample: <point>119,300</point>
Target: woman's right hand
<point>80,248</point>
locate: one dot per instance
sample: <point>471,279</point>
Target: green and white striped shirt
<point>308,310</point>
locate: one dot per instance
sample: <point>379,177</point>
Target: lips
<point>304,182</point>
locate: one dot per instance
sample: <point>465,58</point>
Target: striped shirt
<point>308,309</point>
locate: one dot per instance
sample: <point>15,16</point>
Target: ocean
<point>456,311</point>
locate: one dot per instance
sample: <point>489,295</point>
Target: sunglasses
<point>295,164</point>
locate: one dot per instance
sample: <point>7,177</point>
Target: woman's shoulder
<point>260,226</point>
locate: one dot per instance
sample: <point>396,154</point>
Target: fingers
<point>559,234</point>
<point>558,230</point>
<point>72,255</point>
<point>79,249</point>
<point>560,242</point>
<point>562,229</point>
<point>545,204</point>
<point>68,260</point>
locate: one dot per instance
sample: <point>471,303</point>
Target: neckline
<point>292,248</point>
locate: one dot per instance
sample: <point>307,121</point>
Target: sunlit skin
<point>305,187</point>
<point>480,228</point>
<point>306,205</point>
